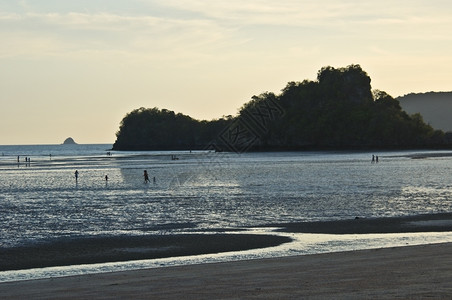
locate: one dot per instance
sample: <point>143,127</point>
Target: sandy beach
<point>406,272</point>
<point>423,271</point>
<point>101,249</point>
<point>77,251</point>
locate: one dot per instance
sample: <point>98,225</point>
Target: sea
<point>204,191</point>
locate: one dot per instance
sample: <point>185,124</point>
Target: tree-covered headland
<point>339,110</point>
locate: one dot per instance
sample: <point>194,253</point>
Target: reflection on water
<point>303,244</point>
<point>212,190</point>
<point>202,191</point>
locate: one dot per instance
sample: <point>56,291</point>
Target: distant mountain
<point>435,108</point>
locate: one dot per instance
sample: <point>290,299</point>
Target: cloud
<point>328,13</point>
<point>106,32</point>
<point>194,29</point>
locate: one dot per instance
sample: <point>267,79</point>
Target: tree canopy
<point>339,110</point>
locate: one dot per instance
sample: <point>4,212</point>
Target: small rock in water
<point>69,141</point>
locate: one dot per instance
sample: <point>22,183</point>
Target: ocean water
<point>201,191</point>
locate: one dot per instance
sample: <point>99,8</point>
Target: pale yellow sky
<point>75,68</point>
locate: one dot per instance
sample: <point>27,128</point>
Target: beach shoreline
<point>388,272</point>
<point>400,272</point>
<point>439,222</point>
<point>104,249</point>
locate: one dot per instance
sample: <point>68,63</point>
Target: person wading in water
<point>146,176</point>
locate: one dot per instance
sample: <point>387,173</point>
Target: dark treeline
<point>337,111</point>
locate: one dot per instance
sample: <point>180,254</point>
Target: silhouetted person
<point>373,158</point>
<point>376,158</point>
<point>106,178</point>
<point>146,176</point>
<point>76,175</point>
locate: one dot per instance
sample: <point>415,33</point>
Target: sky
<point>75,68</point>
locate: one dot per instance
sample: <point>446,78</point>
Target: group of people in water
<point>27,160</point>
<point>76,176</point>
<point>374,158</point>
<point>145,175</point>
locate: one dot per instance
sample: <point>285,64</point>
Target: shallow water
<point>303,244</point>
<point>200,191</point>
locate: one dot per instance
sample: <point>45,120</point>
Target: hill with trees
<point>435,108</point>
<point>339,110</point>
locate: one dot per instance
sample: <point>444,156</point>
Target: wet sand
<point>100,249</point>
<point>407,272</point>
<point>90,250</point>
<point>441,222</point>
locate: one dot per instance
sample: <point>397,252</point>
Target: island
<point>69,141</point>
<point>339,110</point>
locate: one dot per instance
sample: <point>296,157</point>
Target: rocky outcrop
<point>69,141</point>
